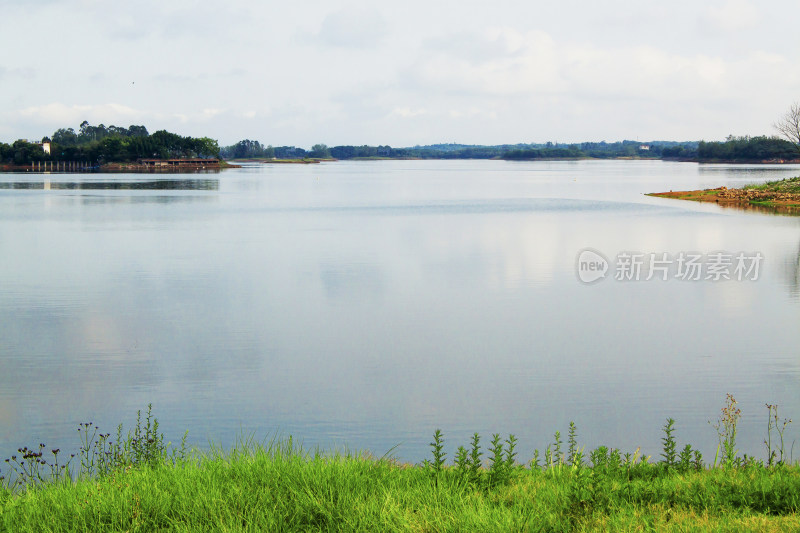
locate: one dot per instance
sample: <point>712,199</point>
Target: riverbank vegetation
<point>140,483</point>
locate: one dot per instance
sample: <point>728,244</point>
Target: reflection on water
<point>145,185</point>
<point>744,174</point>
<point>792,271</point>
<point>369,303</point>
<point>769,172</point>
<point>790,211</point>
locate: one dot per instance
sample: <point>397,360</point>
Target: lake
<point>362,305</point>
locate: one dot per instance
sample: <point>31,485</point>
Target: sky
<point>401,73</point>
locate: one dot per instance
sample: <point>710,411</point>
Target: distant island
<point>760,149</point>
<point>254,150</point>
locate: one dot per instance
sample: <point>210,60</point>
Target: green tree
<point>320,151</point>
<point>206,147</point>
<point>65,137</point>
<point>137,131</point>
<point>112,149</point>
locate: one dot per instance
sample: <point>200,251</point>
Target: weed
<point>511,454</point>
<point>685,459</point>
<point>775,456</point>
<point>726,430</point>
<point>33,468</point>
<point>599,457</point>
<point>462,462</point>
<point>98,455</point>
<point>668,442</point>
<point>497,463</point>
<point>475,458</point>
<point>558,458</point>
<point>575,457</point>
<point>535,461</point>
<point>437,448</point>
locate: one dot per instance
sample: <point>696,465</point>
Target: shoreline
<point>747,199</point>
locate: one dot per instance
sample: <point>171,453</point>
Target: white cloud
<point>17,73</point>
<point>407,112</point>
<point>534,63</point>
<point>734,15</point>
<point>471,112</point>
<point>209,113</point>
<point>353,27</point>
<point>519,63</point>
<point>59,113</point>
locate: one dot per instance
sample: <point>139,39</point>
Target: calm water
<point>367,304</point>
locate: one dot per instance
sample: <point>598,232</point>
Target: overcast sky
<point>401,73</point>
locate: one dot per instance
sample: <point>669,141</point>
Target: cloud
<point>735,15</point>
<point>178,77</point>
<point>209,113</point>
<point>517,63</point>
<point>17,73</point>
<point>204,115</point>
<point>472,113</point>
<point>406,112</point>
<point>534,63</point>
<point>60,114</point>
<point>354,28</point>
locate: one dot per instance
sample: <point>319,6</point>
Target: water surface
<point>365,304</point>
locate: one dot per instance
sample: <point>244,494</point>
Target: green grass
<point>789,185</point>
<point>278,486</point>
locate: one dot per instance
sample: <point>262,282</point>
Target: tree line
<point>747,149</point>
<point>112,144</point>
<point>247,149</point>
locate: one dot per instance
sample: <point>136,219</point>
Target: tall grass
<point>788,185</point>
<point>138,483</point>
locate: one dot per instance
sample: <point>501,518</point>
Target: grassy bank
<point>140,484</point>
